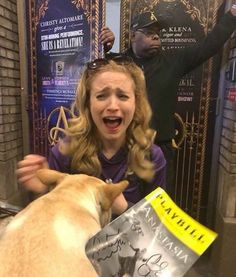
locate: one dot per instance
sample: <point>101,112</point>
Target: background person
<point>164,70</point>
<point>110,138</point>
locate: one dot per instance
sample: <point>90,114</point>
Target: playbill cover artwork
<point>153,238</point>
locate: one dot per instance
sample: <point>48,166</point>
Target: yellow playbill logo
<point>190,232</point>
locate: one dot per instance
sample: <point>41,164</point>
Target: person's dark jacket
<point>164,71</point>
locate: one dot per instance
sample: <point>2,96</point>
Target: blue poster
<point>63,37</point>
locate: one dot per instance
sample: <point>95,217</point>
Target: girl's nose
<point>113,103</point>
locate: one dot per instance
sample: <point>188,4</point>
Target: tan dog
<point>48,237</point>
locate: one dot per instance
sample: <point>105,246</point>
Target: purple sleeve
<point>160,167</point>
<point>58,161</point>
<point>159,179</point>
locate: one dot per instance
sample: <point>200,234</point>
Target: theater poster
<point>187,23</point>
<point>62,36</point>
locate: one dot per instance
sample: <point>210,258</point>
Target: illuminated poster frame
<point>62,36</point>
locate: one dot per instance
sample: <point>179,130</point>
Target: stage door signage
<point>187,23</point>
<point>63,36</point>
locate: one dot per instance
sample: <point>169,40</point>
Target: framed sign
<point>187,22</point>
<point>62,36</point>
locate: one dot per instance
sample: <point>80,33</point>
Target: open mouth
<point>112,122</point>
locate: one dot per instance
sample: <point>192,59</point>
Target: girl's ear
<point>110,192</point>
<point>49,177</point>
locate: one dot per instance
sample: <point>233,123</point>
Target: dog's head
<point>91,192</point>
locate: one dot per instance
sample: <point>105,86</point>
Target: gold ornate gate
<point>189,21</point>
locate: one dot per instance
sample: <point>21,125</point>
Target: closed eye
<point>123,97</point>
<point>101,96</point>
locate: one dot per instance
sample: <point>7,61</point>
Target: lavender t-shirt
<point>114,170</point>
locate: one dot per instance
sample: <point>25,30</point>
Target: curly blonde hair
<point>84,144</point>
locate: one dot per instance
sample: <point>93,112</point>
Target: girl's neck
<point>111,148</point>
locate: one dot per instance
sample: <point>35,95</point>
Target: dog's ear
<point>111,191</point>
<point>50,177</point>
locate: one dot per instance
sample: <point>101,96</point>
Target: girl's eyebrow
<point>122,91</point>
<point>105,89</point>
<point>108,89</point>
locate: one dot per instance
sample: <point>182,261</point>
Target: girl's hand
<point>120,205</point>
<point>26,172</point>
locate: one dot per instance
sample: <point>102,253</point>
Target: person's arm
<point>58,161</point>
<point>26,172</point>
<point>27,168</point>
<point>211,45</point>
<point>120,205</point>
<point>107,38</point>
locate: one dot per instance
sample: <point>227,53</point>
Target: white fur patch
<point>89,203</point>
<point>16,222</point>
<point>66,233</point>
